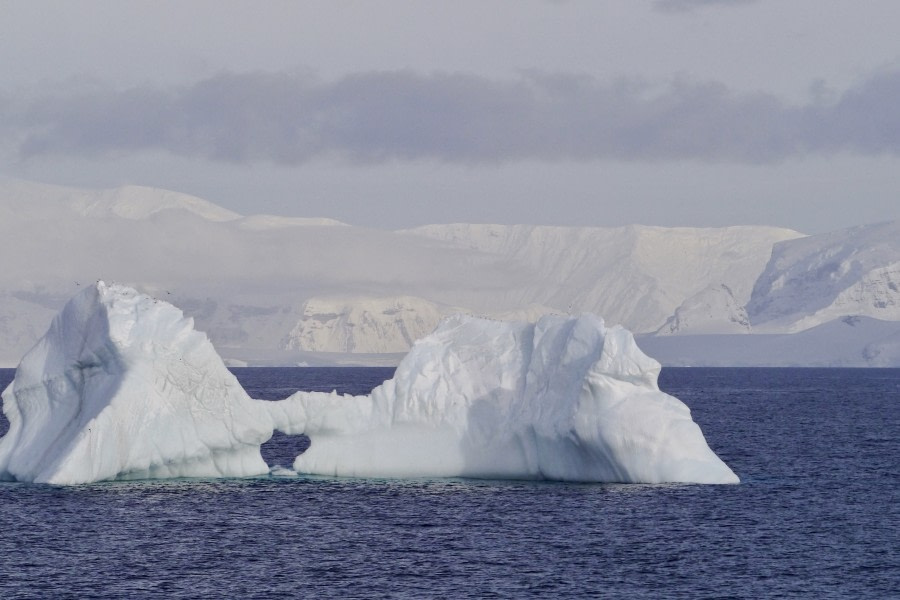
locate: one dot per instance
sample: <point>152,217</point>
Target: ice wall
<point>122,386</point>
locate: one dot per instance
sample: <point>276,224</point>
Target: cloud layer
<point>456,118</point>
<point>691,5</point>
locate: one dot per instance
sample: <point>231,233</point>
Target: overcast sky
<point>400,113</point>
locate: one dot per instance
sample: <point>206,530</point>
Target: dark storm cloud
<point>691,5</point>
<point>457,118</point>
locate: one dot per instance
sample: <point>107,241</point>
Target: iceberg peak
<point>120,387</point>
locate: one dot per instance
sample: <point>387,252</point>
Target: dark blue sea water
<point>816,515</point>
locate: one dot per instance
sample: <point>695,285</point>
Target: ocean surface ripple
<point>816,514</point>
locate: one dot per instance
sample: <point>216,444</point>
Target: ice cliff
<point>121,386</point>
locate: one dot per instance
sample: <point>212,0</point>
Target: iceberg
<point>566,399</point>
<point>123,387</point>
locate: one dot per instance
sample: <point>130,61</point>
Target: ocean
<point>816,514</point>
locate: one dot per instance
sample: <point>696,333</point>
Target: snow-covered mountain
<point>713,310</point>
<point>638,276</point>
<point>244,279</point>
<point>814,280</point>
<point>129,202</point>
<point>271,289</point>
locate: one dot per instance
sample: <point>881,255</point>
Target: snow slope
<point>637,276</point>
<point>129,202</point>
<point>123,387</point>
<point>266,222</point>
<point>810,281</point>
<point>712,310</point>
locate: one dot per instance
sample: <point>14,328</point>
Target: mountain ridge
<point>249,280</point>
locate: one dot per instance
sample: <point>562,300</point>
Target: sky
<point>393,114</point>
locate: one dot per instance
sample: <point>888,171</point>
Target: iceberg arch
<point>122,387</point>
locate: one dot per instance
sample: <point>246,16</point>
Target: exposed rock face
<point>364,325</point>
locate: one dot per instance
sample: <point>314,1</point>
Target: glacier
<point>122,386</point>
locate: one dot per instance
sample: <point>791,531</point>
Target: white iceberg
<point>563,399</point>
<point>121,386</point>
